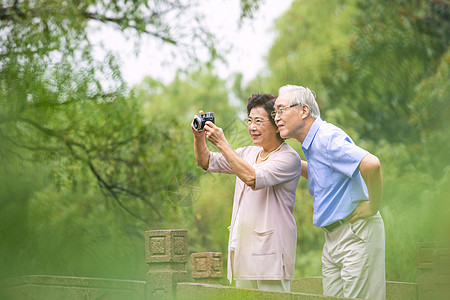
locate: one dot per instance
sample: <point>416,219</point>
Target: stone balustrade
<point>433,261</point>
<point>207,267</point>
<point>167,279</point>
<point>166,253</point>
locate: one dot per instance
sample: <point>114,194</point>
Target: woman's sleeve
<point>281,168</point>
<point>218,163</point>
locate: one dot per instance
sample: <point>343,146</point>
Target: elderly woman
<point>263,233</point>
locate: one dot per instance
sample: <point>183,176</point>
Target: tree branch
<point>53,133</point>
<point>112,189</point>
<point>120,22</point>
<point>113,193</point>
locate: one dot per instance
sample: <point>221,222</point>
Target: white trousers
<point>353,263</point>
<point>271,285</point>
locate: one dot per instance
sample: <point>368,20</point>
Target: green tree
<point>307,35</point>
<point>397,45</point>
<point>209,209</point>
<point>64,213</point>
<point>57,99</point>
<point>69,120</point>
<point>431,117</point>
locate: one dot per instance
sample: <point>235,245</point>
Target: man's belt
<point>333,226</point>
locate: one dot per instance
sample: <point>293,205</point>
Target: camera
<point>201,119</point>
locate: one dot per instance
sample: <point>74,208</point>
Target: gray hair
<point>302,96</point>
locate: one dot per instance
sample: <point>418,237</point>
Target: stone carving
<point>433,262</point>
<point>207,266</point>
<point>166,254</point>
<point>166,246</point>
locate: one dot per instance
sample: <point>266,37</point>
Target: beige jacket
<point>267,233</point>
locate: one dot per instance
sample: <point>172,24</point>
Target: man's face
<point>288,118</point>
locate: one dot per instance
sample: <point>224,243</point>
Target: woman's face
<point>262,131</point>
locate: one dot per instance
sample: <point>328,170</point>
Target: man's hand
<point>370,169</point>
<point>363,210</point>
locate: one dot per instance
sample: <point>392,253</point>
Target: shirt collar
<point>312,133</point>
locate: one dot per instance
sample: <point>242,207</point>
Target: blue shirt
<point>333,175</point>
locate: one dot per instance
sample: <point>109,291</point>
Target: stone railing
<point>40,287</point>
<point>207,267</point>
<point>167,278</point>
<point>433,261</point>
<point>166,253</point>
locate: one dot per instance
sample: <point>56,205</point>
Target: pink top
<point>266,236</point>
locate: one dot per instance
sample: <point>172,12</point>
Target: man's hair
<point>302,96</point>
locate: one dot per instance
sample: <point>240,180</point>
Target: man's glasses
<point>281,110</point>
<point>257,122</point>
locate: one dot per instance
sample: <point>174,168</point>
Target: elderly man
<point>346,184</point>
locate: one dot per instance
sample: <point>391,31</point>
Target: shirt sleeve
<point>282,167</point>
<point>344,155</point>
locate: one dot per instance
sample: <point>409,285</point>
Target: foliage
<point>91,170</point>
<point>393,52</point>
<point>67,215</point>
<point>306,37</point>
<point>176,104</point>
<point>430,116</point>
<point>58,100</point>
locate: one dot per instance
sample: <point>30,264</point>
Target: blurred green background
<point>88,163</point>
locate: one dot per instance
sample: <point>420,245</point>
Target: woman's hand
<point>200,134</point>
<point>215,134</point>
<point>239,166</point>
<point>200,149</point>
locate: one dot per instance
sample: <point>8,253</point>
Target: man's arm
<point>370,169</point>
<point>304,169</point>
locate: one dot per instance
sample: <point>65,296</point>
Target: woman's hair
<point>302,96</point>
<point>267,101</point>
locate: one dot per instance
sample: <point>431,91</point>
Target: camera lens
<point>197,123</point>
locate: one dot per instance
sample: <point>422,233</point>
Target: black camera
<point>201,119</point>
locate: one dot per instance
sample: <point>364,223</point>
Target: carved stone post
<point>433,262</point>
<point>166,254</point>
<point>207,267</point>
